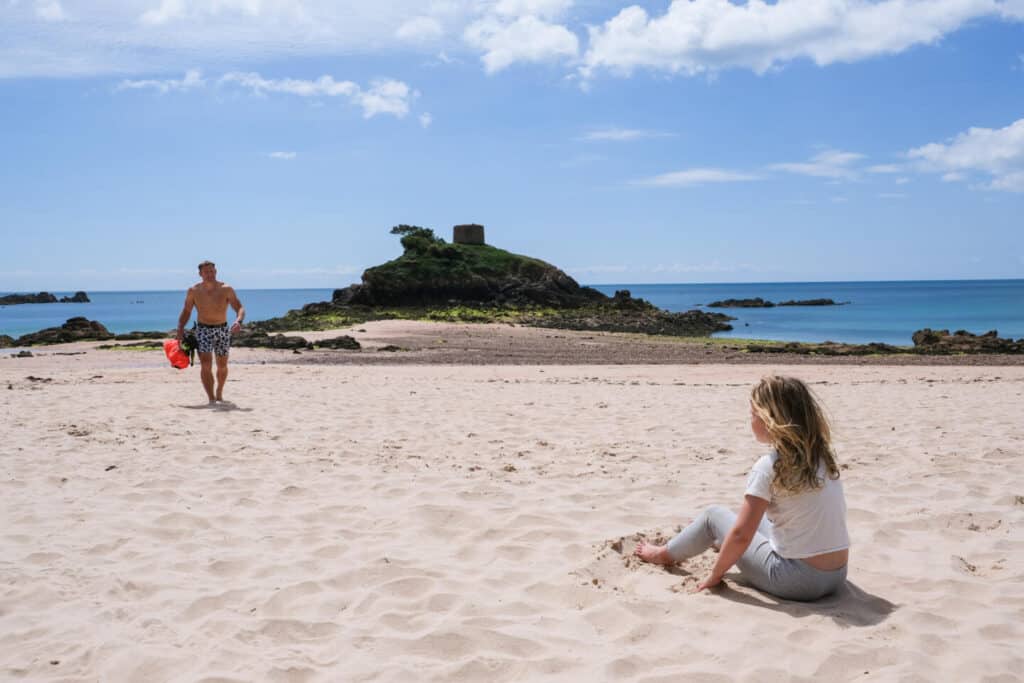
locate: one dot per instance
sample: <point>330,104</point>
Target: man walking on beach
<point>211,298</point>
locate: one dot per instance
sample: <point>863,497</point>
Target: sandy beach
<point>418,521</point>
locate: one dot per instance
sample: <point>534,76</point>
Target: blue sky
<point>673,141</point>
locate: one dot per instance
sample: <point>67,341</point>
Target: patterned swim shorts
<point>213,338</point>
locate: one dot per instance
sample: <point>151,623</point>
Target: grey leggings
<point>760,565</point>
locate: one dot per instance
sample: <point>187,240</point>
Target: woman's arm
<point>738,538</point>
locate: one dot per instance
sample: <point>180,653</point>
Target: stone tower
<point>469,233</point>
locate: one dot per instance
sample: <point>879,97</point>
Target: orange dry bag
<point>178,358</point>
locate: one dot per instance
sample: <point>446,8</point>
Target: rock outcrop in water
<point>432,272</point>
<point>436,280</point>
<point>758,302</point>
<point>927,342</point>
<point>74,330</point>
<point>43,298</point>
<point>962,341</point>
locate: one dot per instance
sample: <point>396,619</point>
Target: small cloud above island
<point>695,176</point>
<point>613,134</point>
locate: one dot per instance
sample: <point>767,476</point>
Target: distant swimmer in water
<point>211,299</point>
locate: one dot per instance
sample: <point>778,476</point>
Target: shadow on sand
<point>219,406</point>
<point>848,607</point>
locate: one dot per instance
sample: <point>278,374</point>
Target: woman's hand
<point>709,582</point>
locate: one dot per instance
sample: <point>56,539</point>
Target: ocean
<point>886,312</point>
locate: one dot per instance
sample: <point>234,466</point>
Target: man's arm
<point>186,313</point>
<point>239,310</point>
<point>738,538</point>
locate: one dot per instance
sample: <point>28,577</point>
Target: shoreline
<point>437,343</point>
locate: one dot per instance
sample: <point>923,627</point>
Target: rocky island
<point>43,298</point>
<point>470,281</point>
<point>758,302</point>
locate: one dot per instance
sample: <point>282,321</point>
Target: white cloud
<point>325,86</point>
<point>50,10</point>
<point>547,9</point>
<point>902,181</point>
<point>384,96</point>
<point>695,176</point>
<point>831,163</point>
<point>283,156</point>
<point>698,36</point>
<point>527,39</point>
<point>892,195</point>
<point>426,119</point>
<point>997,153</point>
<point>886,168</point>
<point>192,79</point>
<point>420,29</point>
<point>1010,182</point>
<point>622,134</point>
<point>126,37</point>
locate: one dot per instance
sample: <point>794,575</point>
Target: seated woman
<point>801,551</point>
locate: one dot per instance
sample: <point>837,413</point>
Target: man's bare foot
<point>655,554</point>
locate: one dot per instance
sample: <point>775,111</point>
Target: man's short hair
<point>207,263</point>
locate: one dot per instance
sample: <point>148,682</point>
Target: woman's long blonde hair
<point>799,432</point>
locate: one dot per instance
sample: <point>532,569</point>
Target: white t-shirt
<point>804,524</point>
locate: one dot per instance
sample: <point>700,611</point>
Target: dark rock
<point>826,349</point>
<point>6,342</point>
<point>942,342</point>
<point>40,298</point>
<point>151,334</point>
<point>649,320</point>
<point>256,338</point>
<point>741,303</point>
<point>342,342</point>
<point>23,354</point>
<point>78,298</point>
<point>813,302</point>
<point>74,330</point>
<point>390,348</point>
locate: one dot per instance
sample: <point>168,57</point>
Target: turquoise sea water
<point>887,312</point>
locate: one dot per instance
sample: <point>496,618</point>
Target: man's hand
<point>180,335</point>
<point>236,328</point>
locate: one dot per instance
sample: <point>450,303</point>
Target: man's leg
<point>222,376</point>
<point>206,373</point>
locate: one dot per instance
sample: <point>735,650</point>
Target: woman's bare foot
<point>655,554</point>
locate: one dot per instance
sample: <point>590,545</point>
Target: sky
<point>662,141</point>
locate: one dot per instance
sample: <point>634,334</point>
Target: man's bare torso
<point>211,300</point>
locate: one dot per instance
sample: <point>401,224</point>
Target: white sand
<point>456,523</point>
